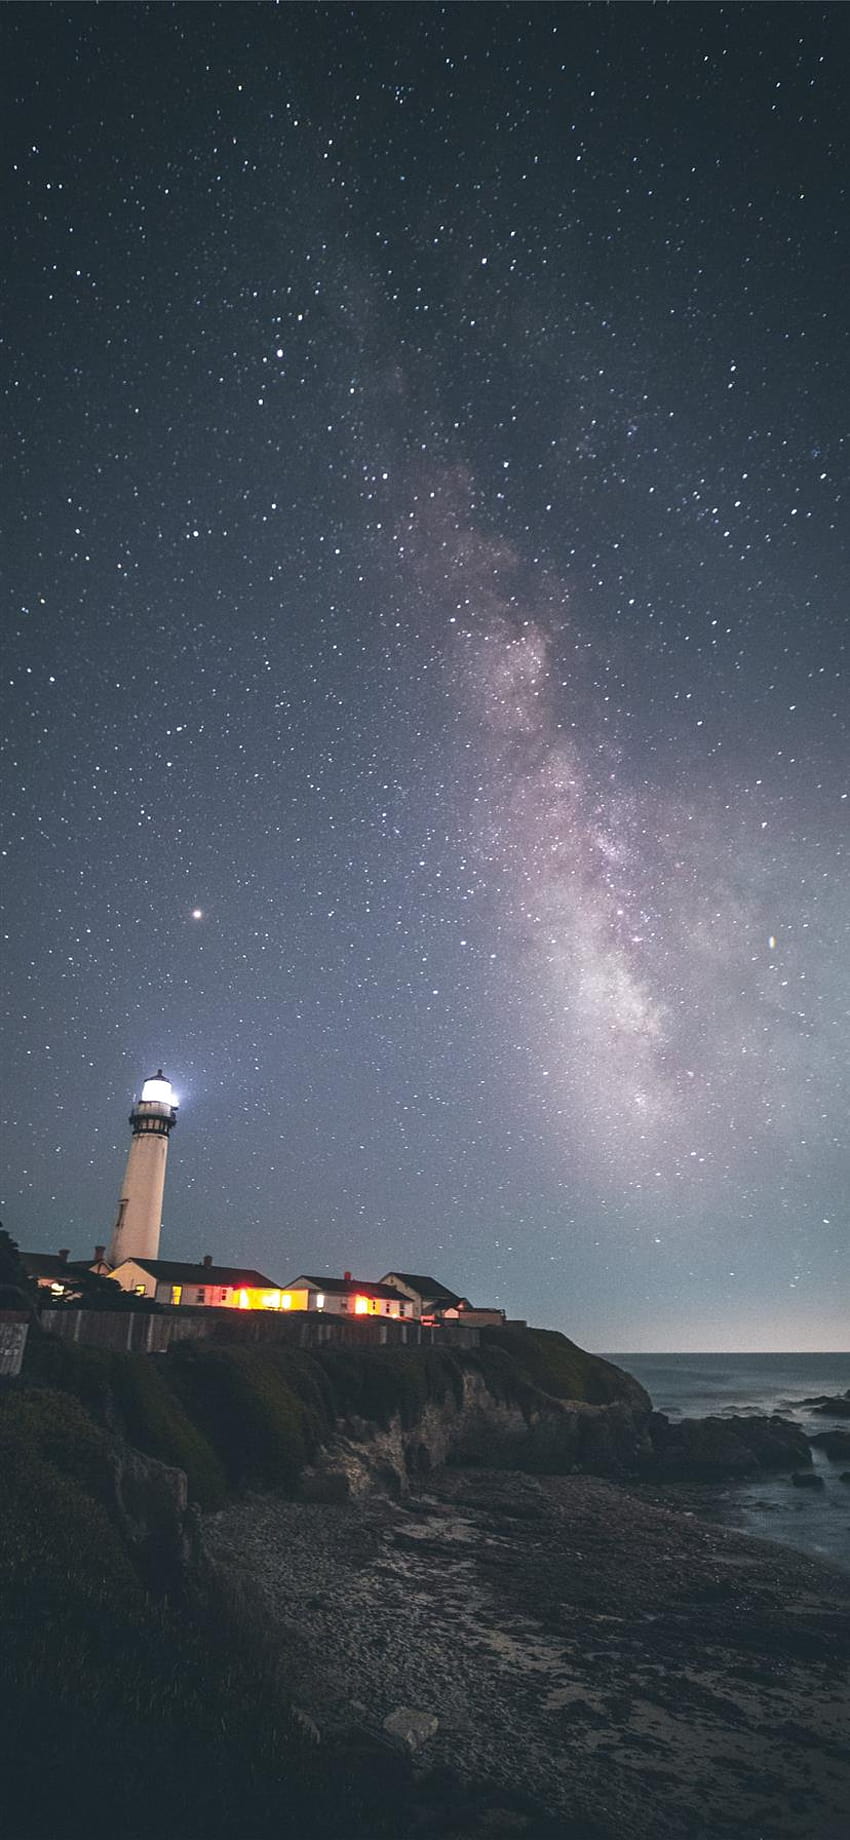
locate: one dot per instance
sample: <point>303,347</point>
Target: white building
<point>217,1287</point>
<point>347,1296</point>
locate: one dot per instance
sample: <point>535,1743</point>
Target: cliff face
<point>482,1428</point>
<point>343,1421</point>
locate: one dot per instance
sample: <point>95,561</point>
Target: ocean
<point>721,1385</point>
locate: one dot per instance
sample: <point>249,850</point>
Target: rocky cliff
<point>481,1425</point>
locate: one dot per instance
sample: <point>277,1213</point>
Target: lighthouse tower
<point>139,1219</point>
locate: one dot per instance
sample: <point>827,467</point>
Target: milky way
<point>427,716</point>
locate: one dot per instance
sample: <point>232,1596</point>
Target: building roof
<point>50,1265</point>
<point>174,1271</point>
<point>345,1287</point>
<point>426,1287</point>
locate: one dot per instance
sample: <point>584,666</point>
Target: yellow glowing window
<point>270,1300</point>
<point>361,1305</point>
<point>286,1301</point>
<point>176,1293</point>
<point>243,1301</point>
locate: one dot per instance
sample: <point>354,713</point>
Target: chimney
<point>63,1253</point>
<point>99,1255</point>
<point>207,1259</point>
<point>346,1277</point>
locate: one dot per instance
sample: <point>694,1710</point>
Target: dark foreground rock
<point>608,1666</point>
<point>717,1449</point>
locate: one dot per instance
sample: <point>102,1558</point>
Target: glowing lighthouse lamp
<point>139,1220</point>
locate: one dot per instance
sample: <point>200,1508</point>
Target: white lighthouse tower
<point>139,1219</point>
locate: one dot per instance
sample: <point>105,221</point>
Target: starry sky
<point>425,695</point>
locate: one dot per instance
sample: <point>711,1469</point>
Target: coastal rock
<point>410,1728</point>
<point>807,1479</point>
<point>774,1442</point>
<point>545,1436</point>
<point>835,1405</point>
<point>715,1449</point>
<point>834,1444</point>
<point>698,1449</point>
<point>150,1503</point>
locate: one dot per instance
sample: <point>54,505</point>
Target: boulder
<point>807,1479</point>
<point>149,1501</point>
<point>410,1728</point>
<point>834,1444</point>
<point>719,1449</point>
<point>774,1442</point>
<point>698,1450</point>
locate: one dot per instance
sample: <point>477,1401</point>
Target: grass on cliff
<point>130,1394</point>
<point>243,1416</point>
<point>249,1416</point>
<point>108,1696</point>
<point>377,1383</point>
<point>549,1361</point>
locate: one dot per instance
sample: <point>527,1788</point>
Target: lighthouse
<point>139,1219</point>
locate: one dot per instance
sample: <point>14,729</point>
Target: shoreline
<point>623,1663</point>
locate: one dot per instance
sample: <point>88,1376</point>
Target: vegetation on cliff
<point>554,1365</point>
<point>246,1416</point>
<point>108,1691</point>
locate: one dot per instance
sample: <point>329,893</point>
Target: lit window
<point>320,1300</point>
<point>361,1306</point>
<point>286,1300</point>
<point>176,1293</point>
<point>138,1290</point>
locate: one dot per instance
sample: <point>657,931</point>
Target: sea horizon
<point>699,1354</point>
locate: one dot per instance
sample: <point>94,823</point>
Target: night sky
<point>426,698</point>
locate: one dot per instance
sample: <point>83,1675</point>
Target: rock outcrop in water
<point>720,1449</point>
<point>829,1405</point>
<point>834,1444</point>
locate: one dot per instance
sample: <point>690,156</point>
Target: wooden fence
<point>145,1332</point>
